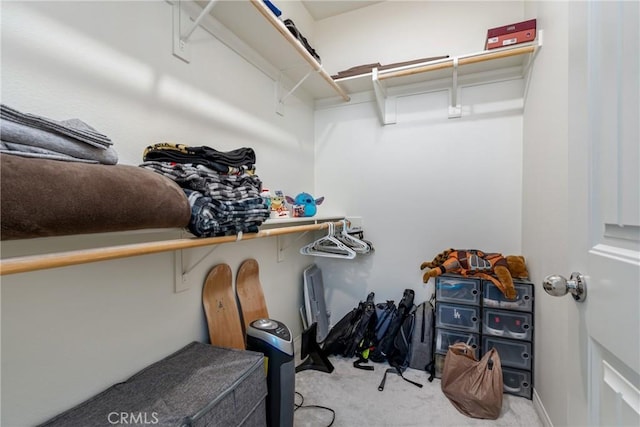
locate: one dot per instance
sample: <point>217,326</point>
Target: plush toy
<point>477,263</point>
<point>304,204</point>
<point>517,267</point>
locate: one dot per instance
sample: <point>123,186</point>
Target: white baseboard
<point>539,407</point>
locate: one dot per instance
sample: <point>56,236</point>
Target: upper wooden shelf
<point>257,26</point>
<point>252,22</point>
<point>471,69</point>
<point>512,59</point>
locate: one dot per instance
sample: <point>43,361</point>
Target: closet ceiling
<point>320,9</point>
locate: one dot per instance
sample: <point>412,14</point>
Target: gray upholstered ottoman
<point>199,385</point>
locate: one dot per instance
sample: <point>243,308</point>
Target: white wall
<point>428,182</point>
<point>398,30</point>
<point>545,208</point>
<point>421,186</point>
<point>68,333</point>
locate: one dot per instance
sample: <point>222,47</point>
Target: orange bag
<point>473,387</point>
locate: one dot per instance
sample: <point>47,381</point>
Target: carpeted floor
<point>353,395</point>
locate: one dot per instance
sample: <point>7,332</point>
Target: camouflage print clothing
<point>222,204</point>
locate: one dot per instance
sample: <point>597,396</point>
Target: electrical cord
<point>302,406</point>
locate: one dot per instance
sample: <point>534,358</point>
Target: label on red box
<point>511,39</point>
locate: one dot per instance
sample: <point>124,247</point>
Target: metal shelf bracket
<point>387,105</point>
<point>280,100</point>
<point>180,39</point>
<point>281,246</point>
<point>455,109</point>
<point>181,282</point>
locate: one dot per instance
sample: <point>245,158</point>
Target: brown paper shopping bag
<point>473,387</point>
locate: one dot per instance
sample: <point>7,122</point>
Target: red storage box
<point>511,34</point>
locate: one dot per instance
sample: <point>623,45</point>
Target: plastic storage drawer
<point>517,382</point>
<point>461,290</point>
<point>507,324</point>
<point>439,363</point>
<point>461,317</point>
<point>447,337</point>
<point>493,297</point>
<point>513,353</point>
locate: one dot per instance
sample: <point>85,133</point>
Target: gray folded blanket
<point>22,138</point>
<point>70,140</point>
<point>38,153</point>
<point>73,128</point>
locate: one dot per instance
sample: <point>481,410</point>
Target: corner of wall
<point>540,410</point>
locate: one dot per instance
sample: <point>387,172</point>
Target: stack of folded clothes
<point>222,187</point>
<point>72,140</point>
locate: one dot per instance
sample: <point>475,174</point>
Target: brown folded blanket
<point>41,197</point>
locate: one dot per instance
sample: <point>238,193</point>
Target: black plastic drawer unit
<point>458,290</point>
<point>460,317</point>
<point>492,297</point>
<point>513,353</point>
<point>476,312</point>
<point>507,324</point>
<point>447,337</point>
<point>439,362</point>
<point>517,382</point>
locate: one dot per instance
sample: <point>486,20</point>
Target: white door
<point>604,185</point>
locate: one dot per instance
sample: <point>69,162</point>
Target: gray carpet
<point>353,395</point>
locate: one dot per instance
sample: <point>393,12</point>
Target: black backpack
<point>385,312</point>
<point>344,337</point>
<point>400,354</point>
<point>364,333</point>
<point>395,346</point>
<point>385,346</point>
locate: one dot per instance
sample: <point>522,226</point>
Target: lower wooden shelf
<point>25,264</point>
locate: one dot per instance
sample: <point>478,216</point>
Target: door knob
<point>558,286</point>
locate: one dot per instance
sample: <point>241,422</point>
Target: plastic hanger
<point>328,246</point>
<point>359,246</point>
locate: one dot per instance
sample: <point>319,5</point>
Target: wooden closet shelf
<point>254,24</point>
<point>488,66</point>
<point>463,60</point>
<point>284,31</point>
<point>41,262</point>
<point>471,68</point>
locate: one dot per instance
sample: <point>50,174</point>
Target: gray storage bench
<point>199,385</point>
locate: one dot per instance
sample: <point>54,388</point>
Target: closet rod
<point>279,25</point>
<point>461,61</point>
<point>41,262</point>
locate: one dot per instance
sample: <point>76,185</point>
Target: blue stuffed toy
<point>304,204</point>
